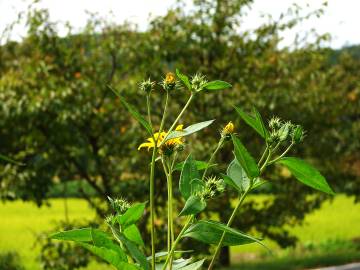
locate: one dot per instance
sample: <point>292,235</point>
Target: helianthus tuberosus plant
<point>197,186</point>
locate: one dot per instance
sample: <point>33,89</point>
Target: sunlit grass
<point>20,222</point>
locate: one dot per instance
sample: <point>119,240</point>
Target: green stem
<point>263,155</point>
<point>152,207</point>
<point>169,256</point>
<point>149,110</point>
<point>179,116</point>
<point>213,156</point>
<point>230,221</point>
<point>165,111</point>
<point>282,155</point>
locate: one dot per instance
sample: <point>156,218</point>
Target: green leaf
<point>133,111</point>
<point>306,174</point>
<point>217,85</point>
<point>258,182</point>
<point>246,161</point>
<point>260,123</point>
<point>134,251</point>
<point>132,215</point>
<point>101,239</point>
<point>194,266</point>
<point>188,173</point>
<point>180,263</point>
<point>200,165</point>
<point>210,232</point>
<point>110,256</point>
<point>132,233</point>
<point>189,130</point>
<point>76,235</point>
<point>254,122</point>
<point>165,253</point>
<point>193,206</point>
<point>184,79</point>
<point>238,175</point>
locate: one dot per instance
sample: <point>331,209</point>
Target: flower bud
<point>213,187</point>
<point>119,205</point>
<point>297,134</point>
<point>228,129</point>
<point>284,131</point>
<point>169,83</point>
<point>198,82</point>
<point>147,86</point>
<point>275,123</point>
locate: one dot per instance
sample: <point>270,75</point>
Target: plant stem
<point>230,221</point>
<point>263,155</point>
<point>149,110</point>
<point>164,114</point>
<point>179,116</point>
<point>213,156</point>
<point>152,207</point>
<point>282,155</point>
<point>176,242</point>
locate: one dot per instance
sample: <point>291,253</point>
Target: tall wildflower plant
<point>122,245</point>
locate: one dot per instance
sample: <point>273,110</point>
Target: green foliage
<point>306,174</point>
<point>189,172</point>
<point>10,261</point>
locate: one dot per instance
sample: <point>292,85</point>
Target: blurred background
<point>299,60</point>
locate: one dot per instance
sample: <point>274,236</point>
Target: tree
<point>60,119</point>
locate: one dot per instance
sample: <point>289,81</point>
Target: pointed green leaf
<point>254,122</point>
<point>110,256</point>
<point>188,173</point>
<point>165,253</point>
<point>260,123</point>
<point>133,111</point>
<point>101,239</point>
<point>210,232</point>
<point>189,130</point>
<point>244,158</point>
<point>193,206</point>
<point>200,165</point>
<point>238,175</point>
<point>134,251</point>
<point>217,85</point>
<point>194,266</point>
<point>306,174</point>
<point>76,235</point>
<point>132,215</point>
<point>184,79</point>
<point>132,233</point>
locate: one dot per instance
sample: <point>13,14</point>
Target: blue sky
<point>341,18</point>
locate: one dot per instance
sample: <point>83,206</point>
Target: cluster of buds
<point>227,130</point>
<point>281,131</point>
<point>119,205</point>
<point>213,187</point>
<point>169,82</point>
<point>147,86</point>
<point>197,82</point>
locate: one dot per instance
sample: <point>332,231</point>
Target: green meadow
<point>335,223</point>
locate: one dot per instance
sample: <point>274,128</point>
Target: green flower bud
<point>147,86</point>
<point>119,205</point>
<point>197,82</point>
<point>275,123</point>
<point>297,134</point>
<point>284,131</point>
<point>213,187</point>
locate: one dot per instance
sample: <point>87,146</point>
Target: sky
<point>341,18</point>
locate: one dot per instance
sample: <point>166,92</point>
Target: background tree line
<point>59,118</point>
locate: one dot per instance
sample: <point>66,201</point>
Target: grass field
<point>20,222</point>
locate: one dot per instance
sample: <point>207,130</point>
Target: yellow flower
<point>159,137</point>
<point>228,129</point>
<point>170,78</point>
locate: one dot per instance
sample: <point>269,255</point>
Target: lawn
<point>338,220</point>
